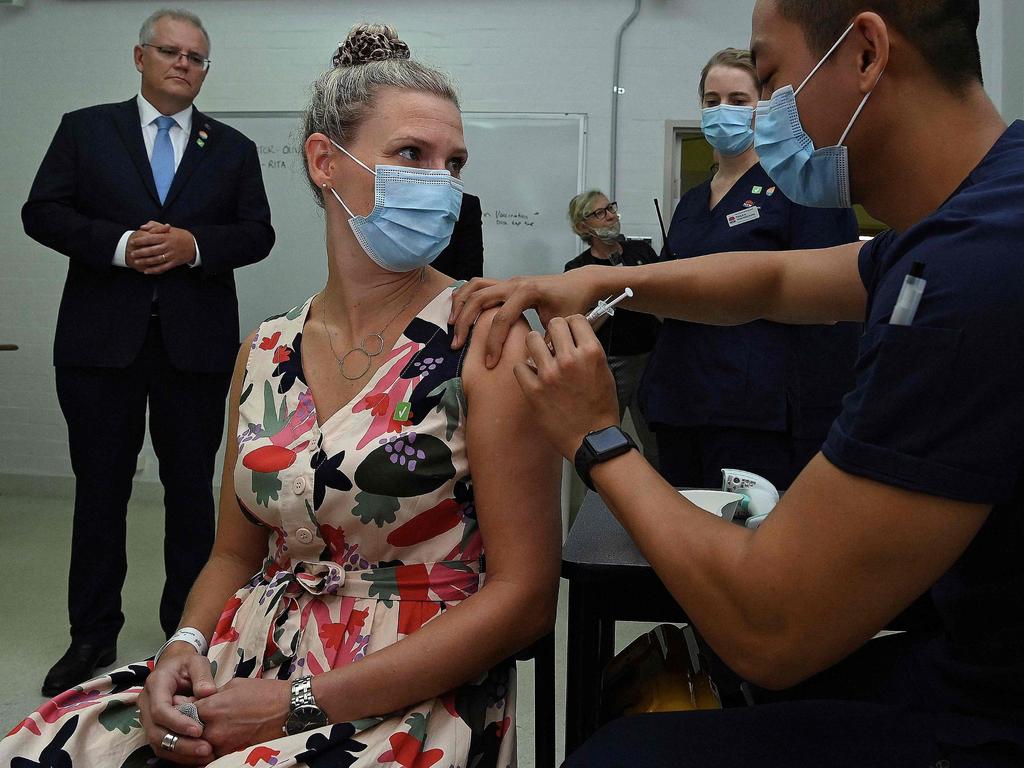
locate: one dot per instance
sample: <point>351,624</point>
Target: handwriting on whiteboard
<point>280,156</point>
<point>511,217</point>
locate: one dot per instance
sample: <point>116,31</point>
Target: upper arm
<point>816,284</point>
<point>252,201</point>
<point>516,474</point>
<point>237,537</point>
<point>54,182</point>
<point>55,177</point>
<point>849,553</point>
<point>249,237</point>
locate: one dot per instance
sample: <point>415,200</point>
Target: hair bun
<point>370,42</point>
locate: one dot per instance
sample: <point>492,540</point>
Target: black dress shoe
<point>76,666</point>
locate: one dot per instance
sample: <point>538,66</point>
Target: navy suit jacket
<point>94,184</point>
<point>463,258</point>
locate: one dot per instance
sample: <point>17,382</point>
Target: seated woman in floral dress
<point>369,633</point>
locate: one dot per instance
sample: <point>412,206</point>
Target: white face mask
<point>608,233</point>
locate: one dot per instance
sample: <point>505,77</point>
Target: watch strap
<point>587,457</point>
<point>302,692</point>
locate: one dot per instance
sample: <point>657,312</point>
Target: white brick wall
<point>513,56</point>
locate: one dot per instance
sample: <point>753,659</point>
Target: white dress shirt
<point>179,134</point>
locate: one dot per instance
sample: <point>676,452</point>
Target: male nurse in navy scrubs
<point>918,486</point>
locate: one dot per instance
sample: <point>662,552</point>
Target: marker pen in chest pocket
<point>910,296</point>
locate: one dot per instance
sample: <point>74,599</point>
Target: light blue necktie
<point>162,161</point>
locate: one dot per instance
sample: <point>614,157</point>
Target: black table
<point>609,581</point>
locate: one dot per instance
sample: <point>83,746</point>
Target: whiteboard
<point>524,167</point>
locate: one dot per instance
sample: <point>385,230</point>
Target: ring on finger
<point>169,741</point>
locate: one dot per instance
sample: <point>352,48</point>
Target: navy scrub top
<point>938,407</point>
<point>761,375</point>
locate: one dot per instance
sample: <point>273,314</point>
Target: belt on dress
<point>440,581</point>
<point>425,586</point>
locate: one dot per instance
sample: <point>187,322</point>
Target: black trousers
<point>105,410</point>
<point>694,457</point>
<point>868,711</point>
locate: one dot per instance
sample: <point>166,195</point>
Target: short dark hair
<point>945,32</point>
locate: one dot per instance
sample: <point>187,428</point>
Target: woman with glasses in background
<point>627,337</point>
<point>759,396</point>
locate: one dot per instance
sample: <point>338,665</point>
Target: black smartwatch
<point>601,445</point>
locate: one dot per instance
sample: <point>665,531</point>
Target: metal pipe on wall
<point>616,92</point>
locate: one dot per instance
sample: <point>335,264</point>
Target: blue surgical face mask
<point>728,128</point>
<point>814,177</point>
<point>414,213</point>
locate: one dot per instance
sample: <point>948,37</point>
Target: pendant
<point>361,351</point>
<point>379,336</point>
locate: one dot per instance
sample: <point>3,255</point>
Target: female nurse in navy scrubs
<point>759,396</point>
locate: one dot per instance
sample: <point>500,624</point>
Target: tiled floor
<point>35,518</point>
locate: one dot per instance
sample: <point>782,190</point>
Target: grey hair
<point>580,206</point>
<point>178,14</point>
<point>343,96</point>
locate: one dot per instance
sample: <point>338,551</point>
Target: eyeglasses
<point>173,54</point>
<point>600,213</point>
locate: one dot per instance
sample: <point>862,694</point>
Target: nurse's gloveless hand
<point>551,295</point>
<point>570,390</point>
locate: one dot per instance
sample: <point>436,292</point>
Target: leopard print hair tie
<point>364,47</point>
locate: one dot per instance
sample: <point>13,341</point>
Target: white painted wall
<point>513,56</point>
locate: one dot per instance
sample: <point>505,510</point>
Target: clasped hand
<point>155,248</point>
<point>241,713</point>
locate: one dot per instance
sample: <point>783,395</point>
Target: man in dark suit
<point>154,204</point>
<point>463,258</point>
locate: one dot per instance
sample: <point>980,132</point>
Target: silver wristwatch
<point>304,714</point>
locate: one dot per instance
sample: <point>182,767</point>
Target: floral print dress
<point>371,532</point>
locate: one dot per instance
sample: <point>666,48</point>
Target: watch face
<point>305,718</point>
<point>607,440</point>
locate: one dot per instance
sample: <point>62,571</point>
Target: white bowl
<point>720,503</point>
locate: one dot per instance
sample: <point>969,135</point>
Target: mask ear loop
<point>823,60</point>
<point>863,102</point>
<point>820,64</point>
<point>353,157</point>
<point>338,198</point>
<point>357,160</point>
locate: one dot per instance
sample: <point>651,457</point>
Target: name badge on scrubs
<point>742,217</point>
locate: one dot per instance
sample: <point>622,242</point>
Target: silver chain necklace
<point>378,336</point>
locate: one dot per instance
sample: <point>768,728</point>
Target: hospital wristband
<point>189,635</point>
